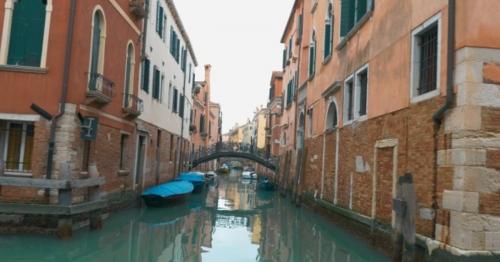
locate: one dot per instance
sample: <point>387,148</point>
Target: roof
<point>290,19</point>
<point>178,21</point>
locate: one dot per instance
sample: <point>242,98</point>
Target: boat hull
<point>159,201</point>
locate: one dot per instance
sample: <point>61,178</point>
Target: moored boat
<point>249,175</point>
<point>167,193</point>
<point>197,179</point>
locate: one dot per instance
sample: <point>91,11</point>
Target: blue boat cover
<point>192,177</point>
<point>170,189</point>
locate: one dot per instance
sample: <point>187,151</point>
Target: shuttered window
<point>175,99</point>
<point>181,106</point>
<point>312,55</point>
<point>27,31</point>
<point>160,20</point>
<point>96,49</point>
<point>327,51</point>
<point>300,27</point>
<point>145,75</point>
<point>352,11</point>
<point>362,78</point>
<point>156,84</point>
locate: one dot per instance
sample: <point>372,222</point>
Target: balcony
<point>132,106</point>
<point>136,7</point>
<point>192,128</point>
<point>100,89</point>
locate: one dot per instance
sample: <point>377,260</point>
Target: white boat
<point>249,175</point>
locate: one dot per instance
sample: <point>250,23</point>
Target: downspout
<point>181,150</point>
<point>64,93</point>
<point>450,97</point>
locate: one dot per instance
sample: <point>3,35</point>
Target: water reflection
<point>229,222</point>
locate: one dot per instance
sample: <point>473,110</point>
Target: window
<point>362,86</point>
<point>26,45</point>
<point>352,11</point>
<point>145,75</point>
<point>18,147</point>
<point>331,116</point>
<point>181,106</point>
<point>174,101</point>
<point>156,83</point>
<point>184,60</point>
<point>349,100</point>
<point>169,95</point>
<point>174,44</point>
<point>300,26</point>
<point>97,49</point>
<point>356,95</point>
<point>327,51</point>
<point>202,123</point>
<point>290,45</point>
<point>189,72</point>
<point>289,93</point>
<point>123,151</point>
<point>312,55</point>
<point>129,70</point>
<point>160,20</point>
<point>425,60</point>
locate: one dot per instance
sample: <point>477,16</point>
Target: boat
<point>210,176</point>
<point>167,193</point>
<point>249,175</point>
<point>266,185</point>
<point>197,179</point>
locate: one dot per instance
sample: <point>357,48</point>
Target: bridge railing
<point>228,147</point>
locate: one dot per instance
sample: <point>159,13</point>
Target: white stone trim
<point>19,117</point>
<point>386,143</point>
<point>7,26</point>
<point>125,16</point>
<point>102,46</point>
<point>414,98</point>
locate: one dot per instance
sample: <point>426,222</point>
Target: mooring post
<point>404,206</point>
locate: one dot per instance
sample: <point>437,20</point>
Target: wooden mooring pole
<point>404,206</point>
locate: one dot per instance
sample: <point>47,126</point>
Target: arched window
<point>129,70</point>
<point>327,51</point>
<point>312,55</point>
<point>28,25</point>
<point>97,48</point>
<point>332,116</point>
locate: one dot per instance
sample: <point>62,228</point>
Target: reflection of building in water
<point>256,229</point>
<point>226,221</point>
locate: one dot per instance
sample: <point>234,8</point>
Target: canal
<point>231,221</point>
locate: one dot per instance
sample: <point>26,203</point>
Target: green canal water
<point>231,221</point>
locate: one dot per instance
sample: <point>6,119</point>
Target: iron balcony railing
<point>100,86</point>
<point>133,104</point>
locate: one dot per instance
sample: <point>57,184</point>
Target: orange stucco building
<point>380,89</point>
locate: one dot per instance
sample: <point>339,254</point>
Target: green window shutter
<point>160,27</point>
<point>26,35</point>
<point>156,84</point>
<point>361,9</point>
<point>94,58</point>
<point>145,75</point>
<point>300,27</point>
<point>157,16</point>
<point>327,51</point>
<point>347,16</point>
<point>312,59</point>
<point>284,58</point>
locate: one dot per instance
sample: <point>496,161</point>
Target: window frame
<point>354,79</point>
<point>130,77</point>
<point>330,19</point>
<point>19,171</point>
<point>7,27</point>
<point>102,45</point>
<point>313,45</point>
<point>415,63</point>
<point>332,102</point>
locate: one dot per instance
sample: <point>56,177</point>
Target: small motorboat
<point>164,194</point>
<point>210,176</point>
<point>249,175</point>
<point>196,178</point>
<point>266,185</point>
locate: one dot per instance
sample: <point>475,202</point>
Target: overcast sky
<point>241,40</point>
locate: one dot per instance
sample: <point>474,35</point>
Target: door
<point>139,171</point>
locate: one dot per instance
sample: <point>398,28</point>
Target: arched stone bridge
<point>233,150</point>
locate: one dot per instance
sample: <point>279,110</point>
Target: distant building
<point>274,112</point>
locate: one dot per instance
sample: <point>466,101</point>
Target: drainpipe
<point>450,96</point>
<point>64,94</point>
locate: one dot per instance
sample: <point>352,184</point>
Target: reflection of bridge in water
<point>233,150</point>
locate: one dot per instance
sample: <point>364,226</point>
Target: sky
<point>241,40</point>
